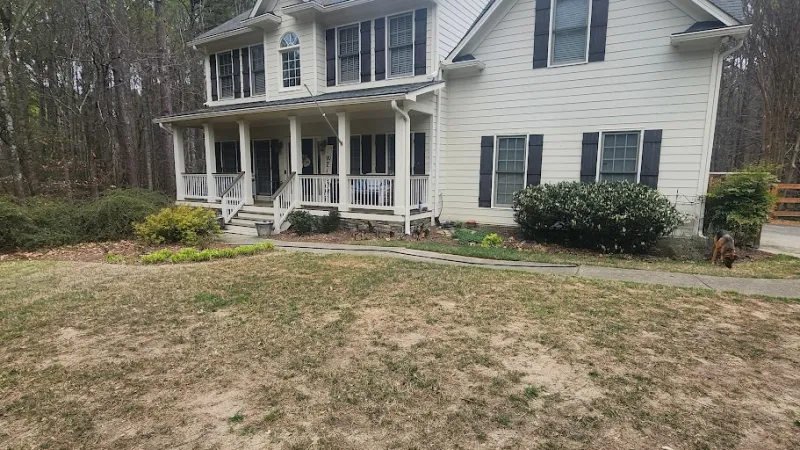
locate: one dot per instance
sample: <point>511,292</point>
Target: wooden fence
<point>788,201</point>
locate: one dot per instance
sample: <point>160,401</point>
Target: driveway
<point>783,239</point>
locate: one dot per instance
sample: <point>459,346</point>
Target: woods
<point>81,80</point>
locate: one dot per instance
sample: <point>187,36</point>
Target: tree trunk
<point>8,120</point>
<point>164,140</point>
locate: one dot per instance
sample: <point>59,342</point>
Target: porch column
<point>402,170</point>
<point>296,156</point>
<point>211,161</point>
<point>344,161</point>
<point>244,158</point>
<point>180,164</point>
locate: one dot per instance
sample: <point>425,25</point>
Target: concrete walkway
<point>749,286</point>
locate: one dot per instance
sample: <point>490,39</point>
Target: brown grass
<point>295,351</point>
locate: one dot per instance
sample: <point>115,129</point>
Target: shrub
<point>180,224</point>
<point>113,215</point>
<point>741,204</point>
<point>611,217</point>
<point>330,223</point>
<point>14,225</point>
<point>468,236</point>
<point>492,240</point>
<point>303,222</point>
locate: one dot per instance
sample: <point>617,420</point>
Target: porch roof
<point>383,93</point>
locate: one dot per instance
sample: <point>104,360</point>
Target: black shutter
<point>421,41</point>
<point>213,62</point>
<point>598,30</point>
<point>380,153</point>
<point>246,72</point>
<point>275,165</point>
<point>591,142</point>
<point>541,34</point>
<point>307,146</point>
<point>335,143</point>
<point>487,166</point>
<point>218,154</point>
<point>366,154</point>
<point>380,49</point>
<point>651,158</point>
<point>391,155</point>
<point>419,154</point>
<point>535,151</point>
<point>366,51</point>
<point>355,155</point>
<point>330,55</point>
<point>237,75</point>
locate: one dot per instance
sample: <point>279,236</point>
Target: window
<point>620,158</point>
<point>570,31</point>
<point>349,57</point>
<point>401,45</point>
<point>509,169</point>
<point>257,73</point>
<point>290,58</point>
<point>225,63</point>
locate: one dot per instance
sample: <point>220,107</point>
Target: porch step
<point>257,217</point>
<point>258,209</point>
<point>248,223</point>
<point>240,230</point>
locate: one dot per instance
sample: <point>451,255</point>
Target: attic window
<point>570,31</point>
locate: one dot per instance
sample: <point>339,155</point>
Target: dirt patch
<point>93,252</point>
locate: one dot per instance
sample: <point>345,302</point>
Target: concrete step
<point>244,223</point>
<point>256,217</point>
<point>258,209</point>
<point>239,230</point>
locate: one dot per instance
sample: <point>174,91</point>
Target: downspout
<point>438,147</point>
<point>407,206</point>
<point>737,45</point>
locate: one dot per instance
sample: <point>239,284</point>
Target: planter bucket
<point>221,222</point>
<point>264,229</point>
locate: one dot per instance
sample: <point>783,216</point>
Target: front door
<point>267,170</point>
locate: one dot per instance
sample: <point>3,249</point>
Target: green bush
<point>179,224</point>
<point>611,217</point>
<point>468,236</point>
<point>45,222</point>
<point>492,240</point>
<point>303,222</point>
<point>191,254</point>
<point>330,223</point>
<point>741,204</point>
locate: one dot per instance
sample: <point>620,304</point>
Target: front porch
<point>368,163</point>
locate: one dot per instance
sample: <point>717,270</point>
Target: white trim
<point>281,51</point>
<point>736,32</point>
<point>266,17</point>
<point>716,12</point>
<point>476,30</point>
<point>388,55</point>
<point>252,71</point>
<point>339,81</point>
<point>219,36</point>
<point>220,98</point>
<point>495,156</point>
<point>639,150</point>
<point>552,41</point>
<point>715,81</point>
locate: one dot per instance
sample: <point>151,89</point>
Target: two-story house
<point>400,111</point>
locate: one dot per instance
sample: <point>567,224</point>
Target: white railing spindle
<point>319,190</point>
<point>419,191</point>
<point>284,203</point>
<point>233,198</point>
<point>195,186</point>
<point>224,181</point>
<point>371,192</point>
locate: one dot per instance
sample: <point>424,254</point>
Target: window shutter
<point>598,30</point>
<point>391,155</point>
<point>213,62</point>
<point>419,154</point>
<point>366,51</point>
<point>330,55</point>
<point>591,143</point>
<point>355,155</point>
<point>307,152</point>
<point>421,41</point>
<point>380,153</point>
<point>380,49</point>
<point>535,151</point>
<point>218,154</point>
<point>541,34</point>
<point>487,167</point>
<point>275,165</point>
<point>246,72</point>
<point>651,158</point>
<point>366,154</point>
<point>335,143</point>
<point>237,75</point>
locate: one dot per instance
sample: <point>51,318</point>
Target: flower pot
<point>264,229</point>
<point>221,222</point>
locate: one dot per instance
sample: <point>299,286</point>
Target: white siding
<point>644,83</point>
<point>455,17</point>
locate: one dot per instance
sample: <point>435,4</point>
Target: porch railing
<point>284,203</point>
<point>319,190</point>
<point>371,192</point>
<point>224,181</point>
<point>419,191</point>
<point>233,198</point>
<point>195,185</point>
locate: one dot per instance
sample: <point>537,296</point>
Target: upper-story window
<point>257,72</point>
<point>225,63</point>
<point>349,57</point>
<point>570,31</point>
<point>401,45</point>
<point>290,59</point>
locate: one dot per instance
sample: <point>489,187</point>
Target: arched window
<point>290,57</point>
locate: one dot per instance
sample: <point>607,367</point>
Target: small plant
<point>114,258</point>
<point>303,222</point>
<point>236,418</point>
<point>468,236</point>
<point>330,223</point>
<point>180,224</point>
<point>741,204</point>
<point>190,254</point>
<point>156,257</point>
<point>532,392</point>
<point>492,241</point>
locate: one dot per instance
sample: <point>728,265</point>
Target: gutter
<point>407,206</point>
<point>736,32</point>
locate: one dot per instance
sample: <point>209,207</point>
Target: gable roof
<point>733,8</point>
<point>231,25</point>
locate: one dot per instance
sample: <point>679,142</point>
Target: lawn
<point>296,351</point>
<point>775,267</point>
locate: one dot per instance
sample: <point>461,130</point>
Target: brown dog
<point>725,248</point>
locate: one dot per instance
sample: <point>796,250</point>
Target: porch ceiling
<point>374,100</point>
